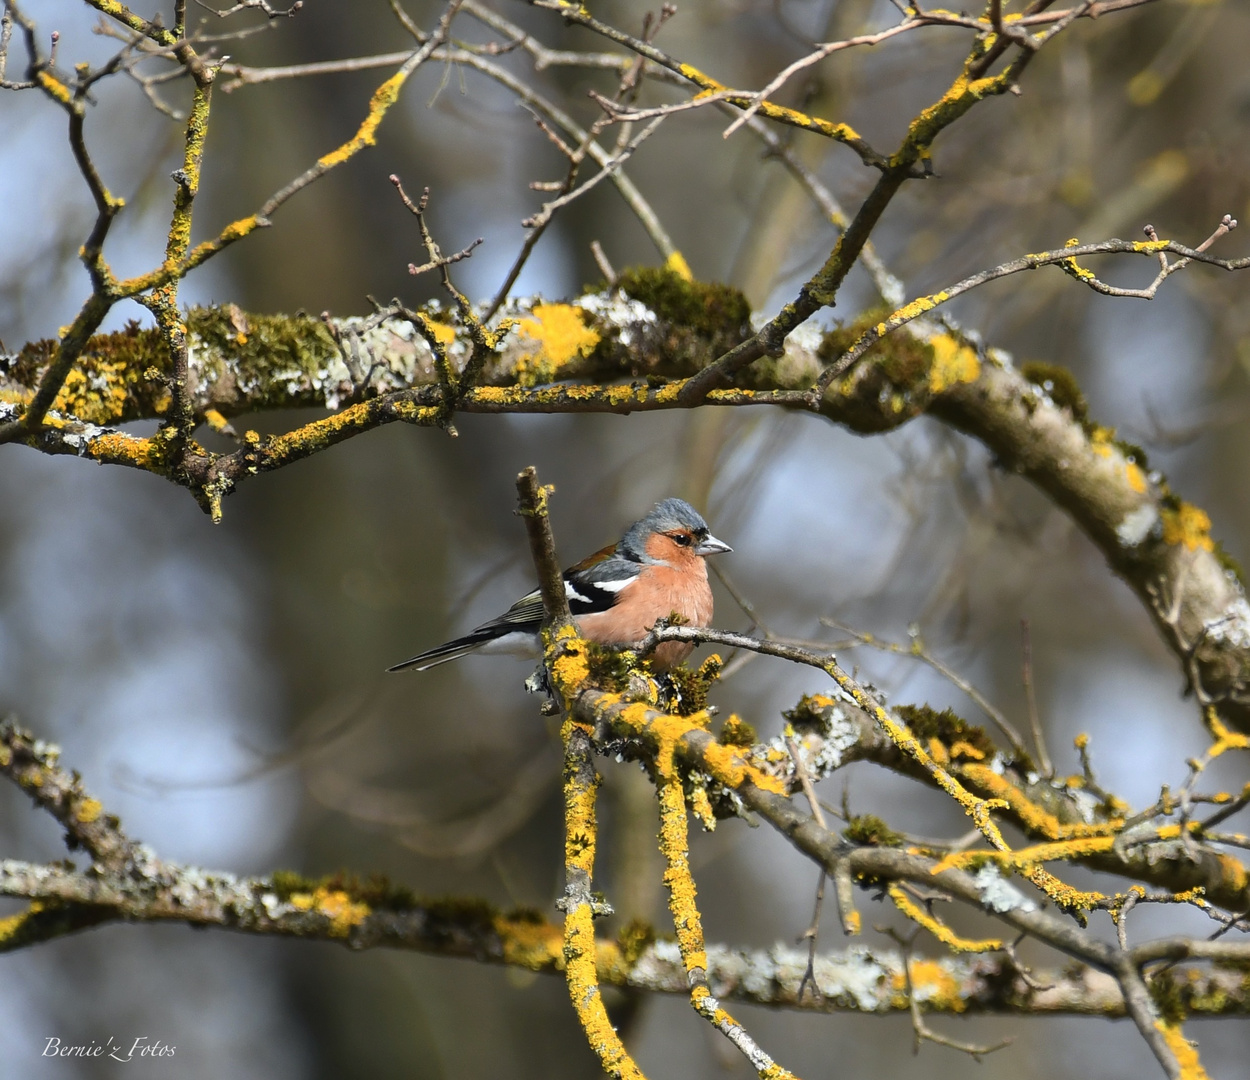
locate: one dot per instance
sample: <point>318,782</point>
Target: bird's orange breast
<point>660,592</point>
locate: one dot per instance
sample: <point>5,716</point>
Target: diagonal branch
<point>1064,257</point>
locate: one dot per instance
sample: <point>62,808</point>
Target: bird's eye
<point>682,538</point>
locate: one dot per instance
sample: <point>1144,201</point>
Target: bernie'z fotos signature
<point>141,1047</point>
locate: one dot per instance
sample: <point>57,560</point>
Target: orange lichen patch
<point>442,332</point>
<point>953,363</point>
<point>89,810</point>
<point>933,983</point>
<point>1188,525</point>
<point>937,928</point>
<point>342,911</point>
<point>561,334</point>
<point>1233,874</point>
<point>1185,1052</point>
<point>122,449</point>
<point>1136,477</point>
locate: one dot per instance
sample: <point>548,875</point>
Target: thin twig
<point>1063,257</point>
<point>812,934</point>
<point>1035,722</point>
<point>918,650</point>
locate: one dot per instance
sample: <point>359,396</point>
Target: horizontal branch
<point>144,888</point>
<point>375,914</point>
<point>864,980</point>
<point>571,357</point>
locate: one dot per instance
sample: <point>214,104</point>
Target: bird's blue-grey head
<point>676,518</point>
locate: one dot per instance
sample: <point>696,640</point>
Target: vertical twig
<point>581,785</point>
<point>1035,720</point>
<point>532,500</point>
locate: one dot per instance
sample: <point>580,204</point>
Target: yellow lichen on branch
<point>366,135</point>
<point>843,133</point>
<point>687,922</point>
<point>1023,858</point>
<point>342,911</point>
<point>1028,813</point>
<point>936,927</point>
<point>12,926</point>
<point>677,877</point>
<point>1225,740</point>
<point>581,784</point>
<point>1189,526</point>
<point>931,981</point>
<point>962,94</point>
<point>98,396</point>
<point>1185,1052</point>
<point>179,238</point>
<point>725,764</point>
<point>676,262</point>
<point>560,334</point>
<point>54,87</point>
<point>953,363</point>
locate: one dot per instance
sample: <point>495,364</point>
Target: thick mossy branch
<point>1035,421</point>
<point>350,913</point>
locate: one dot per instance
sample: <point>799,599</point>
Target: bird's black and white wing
<point>592,585</point>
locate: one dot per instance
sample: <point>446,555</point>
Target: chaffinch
<point>616,595</point>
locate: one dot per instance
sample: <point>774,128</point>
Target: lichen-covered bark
<point>611,352</point>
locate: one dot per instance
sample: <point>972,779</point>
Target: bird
<point>616,595</point>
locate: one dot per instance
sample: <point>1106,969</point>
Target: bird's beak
<point>711,546</point>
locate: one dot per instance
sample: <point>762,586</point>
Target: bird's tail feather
<point>450,650</point>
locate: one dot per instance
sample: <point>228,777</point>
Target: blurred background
<point>221,688</point>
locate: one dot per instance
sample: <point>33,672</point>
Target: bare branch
<point>1066,259</point>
